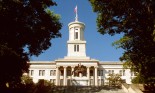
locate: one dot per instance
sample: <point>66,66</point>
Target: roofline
<point>77,60</point>
<point>111,63</point>
<point>41,62</point>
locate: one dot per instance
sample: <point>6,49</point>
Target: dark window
<point>76,35</point>
<point>74,48</point>
<point>41,72</point>
<point>111,71</point>
<point>32,72</point>
<point>101,72</point>
<point>91,72</point>
<point>52,72</point>
<point>120,72</point>
<point>68,72</point>
<point>77,48</point>
<point>123,72</point>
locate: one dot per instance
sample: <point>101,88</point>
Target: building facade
<point>76,68</point>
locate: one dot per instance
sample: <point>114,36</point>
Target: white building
<point>67,71</point>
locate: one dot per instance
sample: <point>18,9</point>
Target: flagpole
<point>76,11</point>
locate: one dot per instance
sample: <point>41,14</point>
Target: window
<point>120,72</point>
<point>52,81</point>
<point>76,48</point>
<point>100,72</point>
<point>41,72</point>
<point>111,71</point>
<point>61,72</point>
<point>52,72</point>
<point>31,72</point>
<point>68,72</point>
<point>76,35</point>
<point>123,72</point>
<point>91,73</point>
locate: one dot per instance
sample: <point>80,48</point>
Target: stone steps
<point>86,89</point>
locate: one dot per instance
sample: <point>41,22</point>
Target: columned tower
<point>76,44</point>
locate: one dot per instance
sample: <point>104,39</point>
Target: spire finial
<point>76,12</point>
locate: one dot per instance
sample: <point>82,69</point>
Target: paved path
<point>111,91</point>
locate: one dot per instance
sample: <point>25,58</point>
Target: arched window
<point>76,35</point>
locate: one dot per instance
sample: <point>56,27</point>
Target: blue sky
<point>98,46</point>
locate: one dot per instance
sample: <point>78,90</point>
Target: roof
<point>53,62</point>
<point>41,62</point>
<point>111,63</point>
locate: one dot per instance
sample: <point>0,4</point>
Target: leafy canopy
<point>27,26</point>
<point>135,19</point>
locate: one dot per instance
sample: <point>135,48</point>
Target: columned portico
<point>71,77</point>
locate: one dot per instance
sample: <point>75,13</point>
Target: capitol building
<point>77,68</point>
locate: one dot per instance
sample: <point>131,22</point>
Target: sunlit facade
<point>77,68</point>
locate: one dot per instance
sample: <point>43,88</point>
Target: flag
<point>75,9</point>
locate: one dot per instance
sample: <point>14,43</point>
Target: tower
<point>76,45</point>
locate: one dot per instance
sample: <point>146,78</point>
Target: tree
<point>135,19</point>
<point>44,86</point>
<point>27,27</point>
<point>114,80</point>
<point>27,85</point>
<point>137,80</point>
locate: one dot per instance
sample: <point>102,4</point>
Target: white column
<point>88,75</point>
<point>65,76</point>
<point>72,75</point>
<point>57,76</point>
<point>96,77</point>
<point>80,74</point>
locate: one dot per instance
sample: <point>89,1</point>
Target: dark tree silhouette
<point>26,28</point>
<point>136,20</point>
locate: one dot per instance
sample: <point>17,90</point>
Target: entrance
<point>79,82</point>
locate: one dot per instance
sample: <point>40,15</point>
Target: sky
<point>98,46</point>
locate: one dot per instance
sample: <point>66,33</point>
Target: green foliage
<point>27,86</point>
<point>25,79</point>
<point>136,20</point>
<point>43,86</point>
<point>114,79</point>
<point>137,80</point>
<point>27,28</point>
